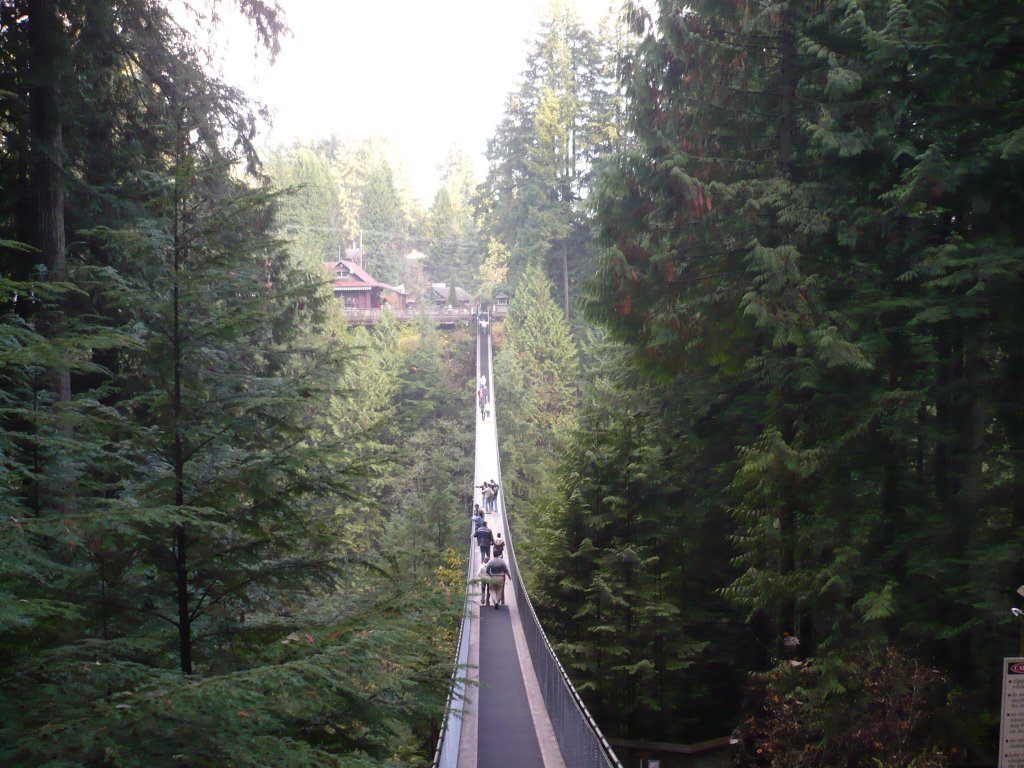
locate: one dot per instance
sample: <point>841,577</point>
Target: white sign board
<point>1011,727</point>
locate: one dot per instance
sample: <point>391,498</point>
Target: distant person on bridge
<point>478,520</point>
<point>484,539</point>
<point>491,499</point>
<point>498,547</point>
<point>488,491</point>
<point>497,571</point>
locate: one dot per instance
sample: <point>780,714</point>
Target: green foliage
<point>426,487</point>
<point>191,538</point>
<point>538,371</point>
<point>633,545</point>
<point>360,672</point>
<point>382,223</point>
<point>311,216</point>
<point>542,155</point>
<point>813,236</point>
<point>451,239</point>
<point>877,708</point>
<point>494,270</point>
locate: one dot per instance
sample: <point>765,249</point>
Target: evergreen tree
<point>494,270</point>
<point>450,239</point>
<point>382,223</point>
<point>176,584</point>
<point>538,371</point>
<point>310,216</point>
<point>543,152</point>
<point>634,549</point>
<point>800,226</point>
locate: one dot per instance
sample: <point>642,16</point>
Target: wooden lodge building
<point>358,290</point>
<point>365,298</point>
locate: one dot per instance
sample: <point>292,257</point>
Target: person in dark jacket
<point>484,539</point>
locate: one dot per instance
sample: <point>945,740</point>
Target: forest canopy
<point>760,380</point>
<point>200,459</point>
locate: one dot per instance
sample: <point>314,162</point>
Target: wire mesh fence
<point>579,738</point>
<point>446,755</point>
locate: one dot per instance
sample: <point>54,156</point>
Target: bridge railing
<point>580,739</point>
<point>435,314</point>
<point>446,754</point>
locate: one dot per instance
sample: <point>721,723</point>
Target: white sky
<point>428,74</point>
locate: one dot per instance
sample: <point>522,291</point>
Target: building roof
<point>358,278</point>
<point>441,292</point>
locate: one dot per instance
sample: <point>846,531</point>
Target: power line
<point>383,233</point>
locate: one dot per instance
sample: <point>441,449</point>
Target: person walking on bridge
<point>497,571</point>
<point>485,584</point>
<point>484,539</point>
<point>490,494</point>
<point>487,493</point>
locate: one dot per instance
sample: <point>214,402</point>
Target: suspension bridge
<point>511,703</point>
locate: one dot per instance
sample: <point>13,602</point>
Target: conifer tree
<point>450,232</point>
<point>200,563</point>
<point>382,223</point>
<point>537,369</point>
<point>800,227</point>
<point>633,548</point>
<point>310,216</point>
<point>543,152</point>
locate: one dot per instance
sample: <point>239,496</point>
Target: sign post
<point>1011,725</point>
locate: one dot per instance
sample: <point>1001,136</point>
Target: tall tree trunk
<point>565,278</point>
<point>787,90</point>
<point>47,152</point>
<point>790,619</point>
<point>180,534</point>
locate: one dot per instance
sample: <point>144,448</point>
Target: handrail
<point>446,753</point>
<point>579,738</point>
<point>581,741</point>
<point>432,313</point>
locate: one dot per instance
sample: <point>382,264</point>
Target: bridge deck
<point>506,724</point>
